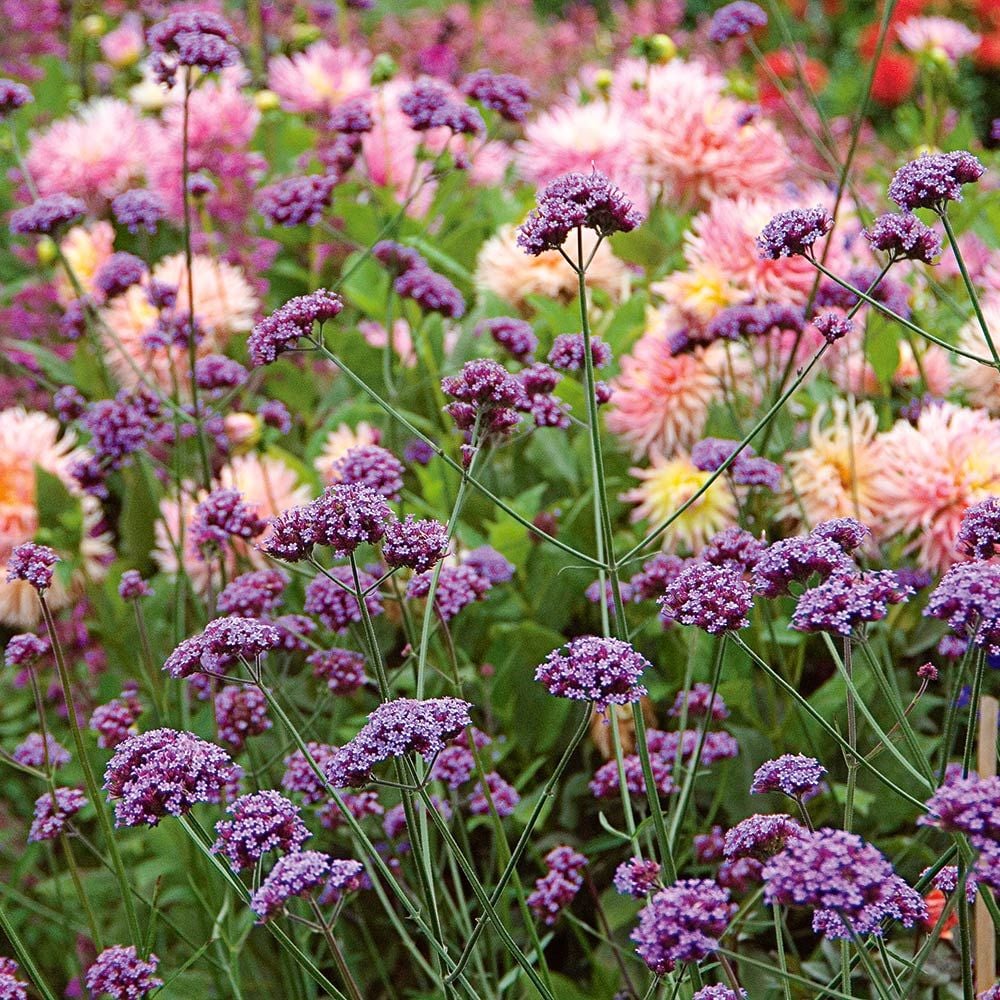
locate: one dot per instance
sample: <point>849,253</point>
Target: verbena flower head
<point>261,822</point>
<point>299,775</point>
<point>904,237</point>
<point>197,39</point>
<point>966,805</point>
<point>791,560</point>
<point>734,548</point>
<point>138,209</point>
<point>503,796</point>
<point>394,729</point>
<point>637,877</point>
<point>13,95</point>
<point>848,883</point>
<point>416,544</point>
<point>285,327</point>
<point>934,179</point>
<point>458,587</point>
<point>32,563</point>
<point>604,671</point>
<point>746,469</point>
<point>11,988</point>
<point>115,721</point>
<point>979,533</point>
<point>845,601</point>
<point>223,515</point>
<point>372,466</point>
<point>714,598</point>
<point>119,973</point>
<point>24,649</point>
<point>132,587</point>
<point>833,326</point>
<point>164,773</point>
<point>346,875</point>
<point>31,751</point>
<point>719,992</point>
<point>793,233</point>
<point>222,641</point>
<point>486,393</point>
<point>514,335</point>
<point>46,215</point>
<point>699,703</point>
<point>253,594</point>
<point>352,118</point>
<point>508,95</point>
<point>52,810</point>
<point>559,886</point>
<point>968,599</point>
<point>735,20</point>
<point>240,711</point>
<point>947,879</point>
<point>682,923</point>
<point>760,836</point>
<point>296,201</point>
<point>431,291</point>
<point>342,669</point>
<point>567,352</point>
<point>590,201</point>
<point>794,775</point>
<point>334,603</point>
<point>429,105</point>
<point>297,874</point>
<point>348,515</point>
<point>658,571</point>
<point>118,274</point>
<point>290,537</point>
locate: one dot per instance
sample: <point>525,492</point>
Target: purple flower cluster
<point>749,322</point>
<point>735,20</point>
<point>224,515</point>
<point>429,105</point>
<point>346,875</point>
<point>285,327</point>
<point>217,373</point>
<point>372,466</point>
<point>342,669</point>
<point>847,600</point>
<point>352,118</point>
<point>52,809</point>
<point>119,973</point>
<point>559,886</point>
<point>508,95</point>
<point>32,563</point>
<point>714,598</point>
<point>262,822</point>
<point>13,95</point>
<point>699,703</point>
<point>968,599</point>
<point>25,649</point>
<point>502,794</point>
<point>299,775</point>
<point>934,179</point>
<point>118,274</point>
<point>833,327</point>
<point>46,215</point>
<point>656,573</point>
<point>590,201</point>
<point>252,594</point>
<point>682,923</point>
<point>603,671</point>
<point>165,772</point>
<point>32,750</point>
<point>848,883</point>
<point>240,711</point>
<point>454,766</point>
<point>196,39</point>
<point>904,237</point>
<point>333,600</point>
<point>967,805</point>
<point>979,533</point>
<point>746,469</point>
<point>297,874</point>
<point>567,352</point>
<point>538,383</point>
<point>11,988</point>
<point>221,642</point>
<point>395,729</point>
<point>139,209</point>
<point>115,722</point>
<point>793,233</point>
<point>794,775</point>
<point>515,336</point>
<point>486,394</point>
<point>637,877</point>
<point>415,280</point>
<point>719,992</point>
<point>733,548</point>
<point>760,837</point>
<point>415,544</point>
<point>295,201</point>
<point>796,559</point>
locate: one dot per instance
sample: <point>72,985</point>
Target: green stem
<point>24,956</point>
<point>970,287</point>
<point>93,789</point>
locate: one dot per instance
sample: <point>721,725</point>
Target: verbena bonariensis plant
<point>494,532</point>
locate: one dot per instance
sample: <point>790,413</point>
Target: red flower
<point>936,901</point>
<point>894,78</point>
